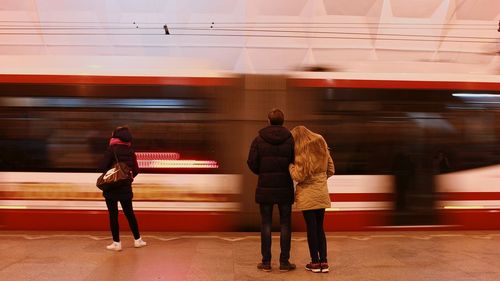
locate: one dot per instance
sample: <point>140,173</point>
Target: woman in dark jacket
<point>120,144</point>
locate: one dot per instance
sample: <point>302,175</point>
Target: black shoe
<point>287,266</point>
<point>264,266</point>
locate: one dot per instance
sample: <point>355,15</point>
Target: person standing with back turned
<point>313,165</point>
<point>270,154</point>
<point>120,148</point>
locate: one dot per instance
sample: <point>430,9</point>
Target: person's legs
<point>128,210</point>
<point>266,217</point>
<point>113,219</point>
<point>285,236</point>
<point>312,238</point>
<point>322,248</point>
<point>286,231</point>
<point>113,224</point>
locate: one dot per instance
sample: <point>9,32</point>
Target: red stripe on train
<point>117,80</point>
<point>442,196</point>
<point>232,221</point>
<point>361,197</point>
<point>177,220</point>
<point>449,196</point>
<point>391,84</point>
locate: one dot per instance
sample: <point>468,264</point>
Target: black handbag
<point>119,174</point>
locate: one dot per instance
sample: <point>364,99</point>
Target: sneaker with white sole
<point>138,243</point>
<point>115,246</point>
<point>314,267</point>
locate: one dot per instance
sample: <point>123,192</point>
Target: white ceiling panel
<point>332,56</point>
<point>148,6</point>
<point>255,35</point>
<point>415,9</point>
<point>16,5</point>
<point>485,10</point>
<point>22,49</point>
<point>209,7</point>
<point>471,58</point>
<point>366,8</point>
<point>280,7</point>
<point>69,5</point>
<point>218,58</point>
<point>400,55</point>
<point>264,59</point>
<point>58,50</point>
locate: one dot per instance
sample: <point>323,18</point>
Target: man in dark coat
<point>270,154</point>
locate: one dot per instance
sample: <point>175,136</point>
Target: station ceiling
<point>250,36</point>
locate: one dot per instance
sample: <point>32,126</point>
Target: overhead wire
<point>243,30</point>
<point>260,22</point>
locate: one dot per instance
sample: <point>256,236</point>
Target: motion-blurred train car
<point>407,153</point>
<point>416,153</point>
<point>56,128</point>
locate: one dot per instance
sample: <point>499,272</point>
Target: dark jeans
<point>266,215</point>
<point>316,238</point>
<point>113,218</point>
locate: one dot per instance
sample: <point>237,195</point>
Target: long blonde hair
<point>309,147</point>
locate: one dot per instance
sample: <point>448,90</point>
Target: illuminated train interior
<point>407,153</point>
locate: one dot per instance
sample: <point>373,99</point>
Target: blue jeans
<point>266,215</point>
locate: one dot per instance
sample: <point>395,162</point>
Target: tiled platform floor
<point>457,256</point>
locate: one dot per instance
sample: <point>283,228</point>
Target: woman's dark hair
<point>276,117</point>
<point>122,133</point>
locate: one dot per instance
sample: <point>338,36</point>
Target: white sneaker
<point>115,246</point>
<point>138,243</point>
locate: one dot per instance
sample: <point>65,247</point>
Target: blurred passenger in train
<point>440,163</point>
<point>404,173</point>
<point>270,154</point>
<point>313,165</point>
<point>120,148</point>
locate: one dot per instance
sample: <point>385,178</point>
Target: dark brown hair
<point>276,117</point>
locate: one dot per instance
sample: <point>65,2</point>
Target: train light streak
<point>13,207</point>
<point>463,207</point>
<point>171,160</point>
<point>157,156</point>
<point>471,95</point>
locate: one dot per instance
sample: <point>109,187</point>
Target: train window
<point>368,129</point>
<point>67,127</point>
<point>68,102</point>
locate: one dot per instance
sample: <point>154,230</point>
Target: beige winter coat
<point>312,190</point>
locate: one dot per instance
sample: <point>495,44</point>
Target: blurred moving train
<point>407,154</point>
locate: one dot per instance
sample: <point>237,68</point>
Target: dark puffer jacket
<point>270,154</point>
<point>125,154</point>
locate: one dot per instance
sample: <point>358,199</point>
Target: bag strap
<point>116,158</point>
<point>114,152</point>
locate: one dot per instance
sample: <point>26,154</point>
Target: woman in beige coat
<point>313,165</point>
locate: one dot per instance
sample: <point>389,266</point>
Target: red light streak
<point>157,155</point>
<point>171,160</point>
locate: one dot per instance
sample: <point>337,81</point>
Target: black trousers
<point>316,238</point>
<point>113,218</point>
<point>266,215</point>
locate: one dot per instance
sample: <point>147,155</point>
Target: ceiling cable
<point>259,23</point>
<point>254,30</point>
<point>443,39</point>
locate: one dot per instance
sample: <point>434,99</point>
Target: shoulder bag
<point>119,174</point>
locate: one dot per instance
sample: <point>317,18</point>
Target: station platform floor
<point>415,255</point>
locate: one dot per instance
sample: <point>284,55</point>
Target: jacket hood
<point>275,134</point>
<point>123,134</point>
